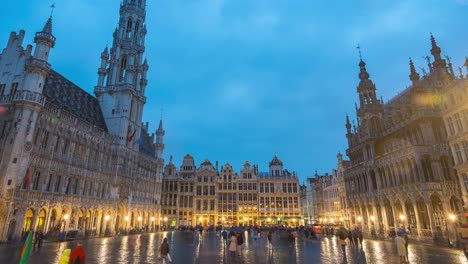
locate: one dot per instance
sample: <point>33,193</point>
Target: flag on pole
<point>26,248</point>
<point>130,138</point>
<point>27,180</point>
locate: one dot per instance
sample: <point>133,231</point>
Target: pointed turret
<point>414,76</point>
<point>44,41</point>
<point>159,140</point>
<point>439,66</point>
<point>348,125</point>
<point>102,70</point>
<point>435,50</point>
<point>367,93</point>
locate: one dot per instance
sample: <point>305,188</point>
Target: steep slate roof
<point>73,99</point>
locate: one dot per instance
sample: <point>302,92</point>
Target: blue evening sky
<point>241,79</point>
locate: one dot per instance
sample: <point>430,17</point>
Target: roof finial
<point>429,64</point>
<point>460,70</point>
<point>52,7</point>
<point>359,50</point>
<point>162,110</point>
<point>414,76</point>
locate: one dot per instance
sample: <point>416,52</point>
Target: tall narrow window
<point>137,26</point>
<point>14,87</point>
<point>123,65</point>
<point>128,31</point>
<point>458,154</point>
<point>2,89</point>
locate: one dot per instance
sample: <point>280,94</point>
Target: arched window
<point>137,27</point>
<point>123,65</point>
<point>128,31</point>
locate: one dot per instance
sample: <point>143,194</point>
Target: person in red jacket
<point>78,255</point>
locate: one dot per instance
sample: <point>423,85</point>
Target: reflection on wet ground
<point>191,248</point>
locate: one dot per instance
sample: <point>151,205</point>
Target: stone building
<point>224,197</point>
<point>279,196</point>
<point>71,161</point>
<point>334,195</point>
<point>401,173</point>
<point>310,204</point>
<point>455,115</point>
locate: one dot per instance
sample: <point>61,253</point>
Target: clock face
<point>28,146</point>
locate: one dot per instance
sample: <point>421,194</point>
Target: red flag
<point>130,138</point>
<point>27,180</point>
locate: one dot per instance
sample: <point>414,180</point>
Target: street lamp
<point>139,220</point>
<point>359,219</point>
<point>126,223</point>
<point>452,217</point>
<point>402,219</point>
<point>65,218</point>
<point>107,224</point>
<point>152,223</point>
<point>372,218</point>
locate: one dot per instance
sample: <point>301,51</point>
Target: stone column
<point>20,216</point>
<point>47,221</point>
<point>431,218</point>
<point>383,210</point>
<point>98,224</point>
<point>418,224</point>
<point>396,220</point>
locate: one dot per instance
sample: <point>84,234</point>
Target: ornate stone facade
<point>210,196</point>
<point>401,173</point>
<point>70,161</point>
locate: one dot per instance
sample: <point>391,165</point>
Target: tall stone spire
<point>159,139</point>
<point>439,66</point>
<point>348,125</point>
<point>414,76</point>
<point>122,74</point>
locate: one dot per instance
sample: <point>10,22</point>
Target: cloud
<point>219,18</point>
<point>402,17</point>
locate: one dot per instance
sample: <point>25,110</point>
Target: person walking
<point>240,241</point>
<point>78,255</point>
<point>164,251</point>
<point>401,248</point>
<point>224,234</point>
<point>343,235</point>
<point>233,245</point>
<point>351,240</point>
<point>361,238</point>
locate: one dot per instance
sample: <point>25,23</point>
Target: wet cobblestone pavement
<point>188,248</point>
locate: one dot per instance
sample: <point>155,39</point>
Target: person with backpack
<point>164,251</point>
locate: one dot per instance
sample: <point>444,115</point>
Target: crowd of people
<point>233,240</point>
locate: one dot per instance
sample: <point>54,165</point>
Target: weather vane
<point>52,7</point>
<point>359,49</point>
<point>162,113</point>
